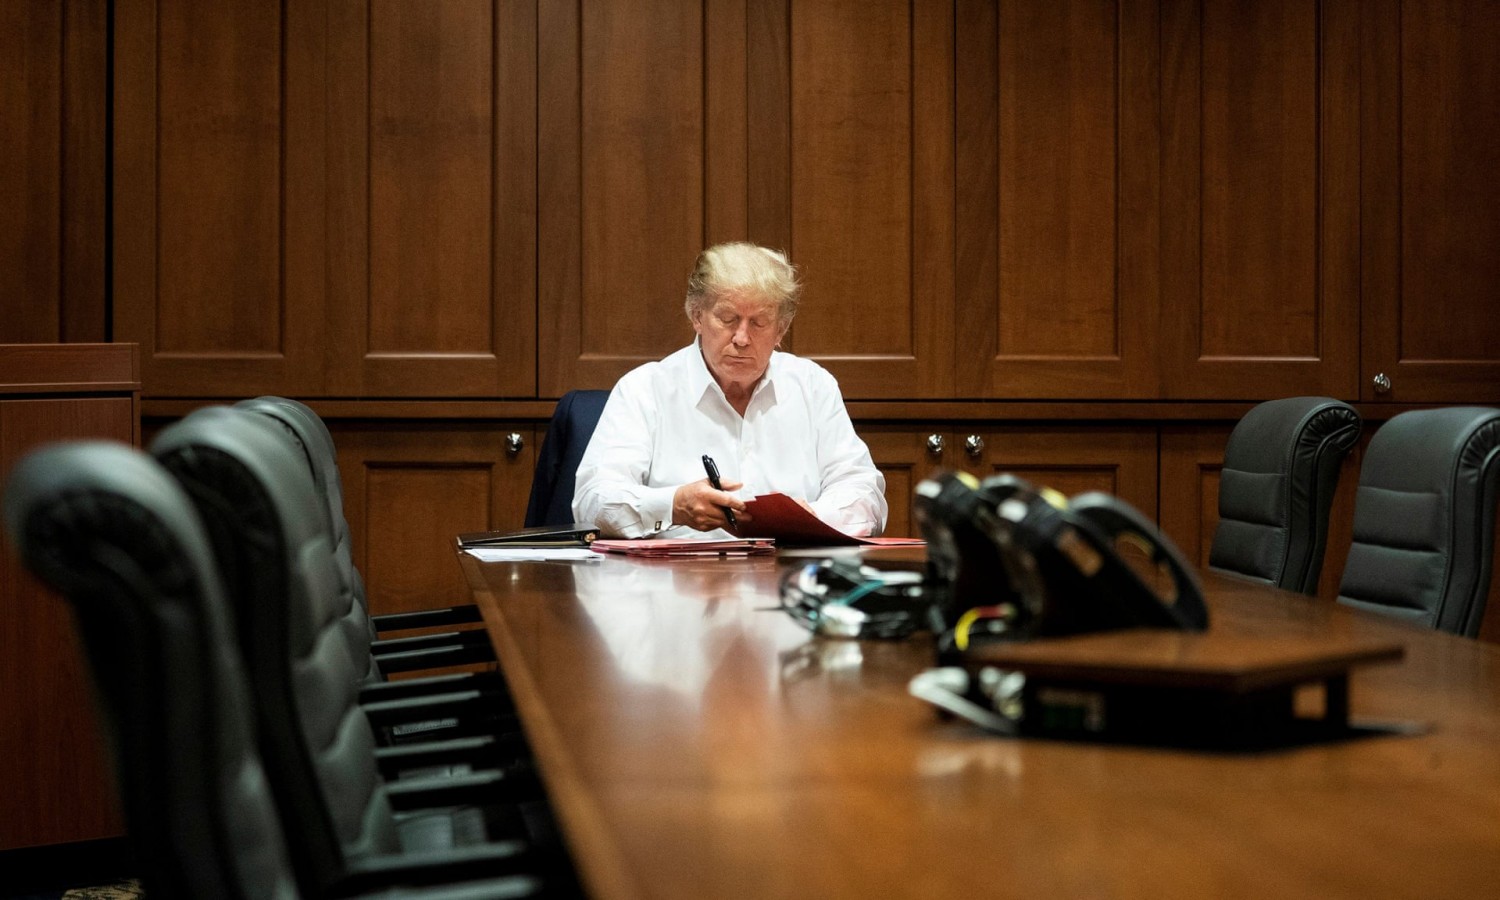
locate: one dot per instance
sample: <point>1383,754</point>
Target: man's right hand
<point>699,505</point>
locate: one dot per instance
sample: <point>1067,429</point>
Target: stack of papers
<point>506,553</point>
<point>666,548</point>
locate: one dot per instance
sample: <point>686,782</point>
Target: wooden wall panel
<point>1192,459</point>
<point>623,134</point>
<point>53,95</point>
<point>1119,460</point>
<point>218,236</point>
<point>30,101</point>
<point>1431,204</point>
<point>59,784</point>
<point>410,487</point>
<point>219,177</point>
<point>432,198</point>
<point>1056,155</point>
<point>903,457</point>
<point>1260,198</point>
<point>871,209</point>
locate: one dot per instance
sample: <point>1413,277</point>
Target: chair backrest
<point>1281,468</point>
<point>312,437</point>
<point>267,524</point>
<point>116,535</point>
<point>1424,519</point>
<point>568,434</point>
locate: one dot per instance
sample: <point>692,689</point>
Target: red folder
<point>779,516</point>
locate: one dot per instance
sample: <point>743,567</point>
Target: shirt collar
<point>701,380</point>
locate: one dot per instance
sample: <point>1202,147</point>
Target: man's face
<point>738,334</point>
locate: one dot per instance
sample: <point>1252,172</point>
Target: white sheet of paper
<point>502,554</point>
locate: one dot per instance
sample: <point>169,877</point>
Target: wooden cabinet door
<point>905,455</point>
<point>642,135</point>
<point>59,785</point>
<point>431,198</point>
<point>1431,202</point>
<point>1056,149</point>
<point>1120,460</point>
<point>1191,460</point>
<point>869,188</point>
<point>219,187</point>
<point>1260,198</point>
<point>54,91</point>
<point>1116,459</point>
<point>820,128</point>
<point>410,487</point>
<point>332,198</point>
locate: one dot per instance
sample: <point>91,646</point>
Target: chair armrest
<point>509,887</point>
<point>488,683</point>
<point>514,784</point>
<point>435,658</point>
<point>486,751</point>
<point>427,618</point>
<point>384,646</point>
<point>437,867</point>
<point>470,705</point>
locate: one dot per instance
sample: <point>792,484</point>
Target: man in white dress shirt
<point>771,421</point>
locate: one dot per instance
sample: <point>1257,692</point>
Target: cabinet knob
<point>974,445</point>
<point>934,444</point>
<point>514,443</point>
<point>1382,383</point>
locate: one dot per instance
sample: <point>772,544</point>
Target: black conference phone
<point>1019,561</point>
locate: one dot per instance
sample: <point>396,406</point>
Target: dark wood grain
<point>1429,201</point>
<point>58,787</point>
<point>432,167</point>
<point>623,213</point>
<point>1057,213</point>
<point>408,490</point>
<point>872,192</point>
<point>695,745</point>
<point>1260,177</point>
<point>58,368</point>
<point>53,98</point>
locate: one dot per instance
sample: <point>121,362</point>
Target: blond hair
<point>737,268</point>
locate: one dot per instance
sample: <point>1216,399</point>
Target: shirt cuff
<point>655,507</point>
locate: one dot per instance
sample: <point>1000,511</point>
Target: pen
<point>713,479</point>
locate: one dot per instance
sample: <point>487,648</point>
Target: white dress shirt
<point>795,438</point>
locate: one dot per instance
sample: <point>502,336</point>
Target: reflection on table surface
<point>698,745</point>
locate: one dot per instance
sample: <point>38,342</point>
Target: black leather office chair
<point>1424,519</point>
<point>307,430</point>
<point>203,456</point>
<point>112,531</point>
<point>1281,468</point>
<point>573,423</point>
<point>267,524</point>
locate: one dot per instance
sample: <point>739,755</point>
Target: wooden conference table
<point>697,746</point>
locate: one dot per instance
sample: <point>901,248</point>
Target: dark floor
<point>128,890</point>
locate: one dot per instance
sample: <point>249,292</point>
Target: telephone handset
<point>1075,550</point>
<point>1022,561</point>
<point>1183,603</point>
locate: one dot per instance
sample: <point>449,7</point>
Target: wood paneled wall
<point>54,97</point>
<point>1093,199</point>
<point>441,215</point>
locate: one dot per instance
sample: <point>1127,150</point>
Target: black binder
<point>576,534</point>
